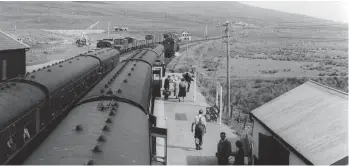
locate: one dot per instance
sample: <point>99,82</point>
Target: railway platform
<point>177,118</point>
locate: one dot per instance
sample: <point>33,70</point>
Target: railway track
<point>177,59</point>
<point>201,40</point>
<point>172,65</point>
<point>267,77</point>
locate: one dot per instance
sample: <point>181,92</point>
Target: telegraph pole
<point>108,29</point>
<point>226,25</point>
<point>214,24</point>
<point>187,46</point>
<point>206,32</point>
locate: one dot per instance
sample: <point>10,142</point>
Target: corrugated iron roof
<point>10,43</point>
<point>312,119</point>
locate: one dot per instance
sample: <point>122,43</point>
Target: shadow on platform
<point>183,148</point>
<point>171,100</point>
<point>201,160</point>
<point>177,101</point>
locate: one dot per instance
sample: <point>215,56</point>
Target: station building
<point>12,57</point>
<point>305,126</point>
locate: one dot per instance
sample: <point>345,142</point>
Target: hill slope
<point>150,15</point>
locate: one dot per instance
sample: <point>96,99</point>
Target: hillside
<point>79,15</point>
<point>265,29</point>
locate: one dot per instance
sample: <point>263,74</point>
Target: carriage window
<point>11,144</point>
<point>4,71</point>
<point>26,133</point>
<point>62,93</point>
<point>119,41</point>
<point>71,88</point>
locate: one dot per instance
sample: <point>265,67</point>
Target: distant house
<point>12,57</point>
<point>185,36</point>
<point>121,29</point>
<point>305,126</point>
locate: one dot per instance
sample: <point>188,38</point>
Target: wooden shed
<point>305,126</point>
<point>12,57</point>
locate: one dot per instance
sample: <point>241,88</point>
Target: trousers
<point>198,137</point>
<point>223,161</point>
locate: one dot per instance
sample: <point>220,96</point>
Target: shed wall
<point>258,128</point>
<point>15,63</point>
<point>295,160</point>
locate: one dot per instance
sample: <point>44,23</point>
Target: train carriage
<point>105,43</point>
<point>131,42</point>
<point>121,44</point>
<point>39,98</point>
<point>113,124</point>
<point>149,39</point>
<point>141,43</point>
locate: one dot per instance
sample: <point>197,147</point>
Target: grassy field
<point>278,53</point>
<point>267,62</point>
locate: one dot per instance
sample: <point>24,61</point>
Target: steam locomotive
<point>171,46</point>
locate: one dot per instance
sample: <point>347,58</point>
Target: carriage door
<point>158,145</point>
<point>4,70</point>
<point>157,81</point>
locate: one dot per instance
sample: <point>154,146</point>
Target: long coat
<point>167,83</point>
<point>182,89</point>
<point>223,152</point>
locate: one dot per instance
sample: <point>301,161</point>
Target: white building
<point>121,29</point>
<point>305,126</point>
<point>185,36</point>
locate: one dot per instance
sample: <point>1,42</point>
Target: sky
<point>330,10</point>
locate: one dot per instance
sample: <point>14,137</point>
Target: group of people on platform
<point>224,150</point>
<point>180,84</point>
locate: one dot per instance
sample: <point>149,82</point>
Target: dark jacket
<point>187,77</point>
<point>239,157</point>
<point>224,149</point>
<point>167,83</point>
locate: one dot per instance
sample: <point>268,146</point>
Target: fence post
<point>195,87</point>
<point>221,105</point>
<point>216,95</point>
